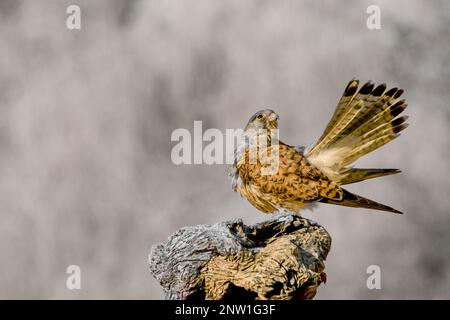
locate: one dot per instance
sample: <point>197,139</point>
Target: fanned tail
<point>363,121</point>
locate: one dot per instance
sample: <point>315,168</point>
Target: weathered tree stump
<point>282,258</point>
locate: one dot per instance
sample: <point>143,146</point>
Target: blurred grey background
<point>86,118</point>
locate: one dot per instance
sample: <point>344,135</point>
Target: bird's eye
<point>259,116</point>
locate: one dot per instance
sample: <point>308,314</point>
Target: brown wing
<point>295,180</point>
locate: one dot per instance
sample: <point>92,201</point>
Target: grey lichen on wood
<point>282,258</point>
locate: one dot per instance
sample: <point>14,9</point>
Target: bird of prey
<point>365,119</point>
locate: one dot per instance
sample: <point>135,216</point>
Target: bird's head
<point>265,119</point>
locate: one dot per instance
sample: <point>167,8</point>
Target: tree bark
<point>281,258</point>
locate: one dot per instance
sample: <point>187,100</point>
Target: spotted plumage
<point>365,119</point>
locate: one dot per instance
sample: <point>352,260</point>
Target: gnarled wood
<point>282,258</point>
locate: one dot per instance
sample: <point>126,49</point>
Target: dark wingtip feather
<point>351,88</point>
<point>396,211</point>
<point>398,103</point>
<point>379,90</point>
<point>390,171</point>
<point>398,94</point>
<point>391,92</point>
<point>367,88</point>
<point>398,121</point>
<point>353,200</point>
<point>397,108</point>
<point>400,127</point>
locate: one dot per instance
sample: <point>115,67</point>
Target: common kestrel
<point>365,119</point>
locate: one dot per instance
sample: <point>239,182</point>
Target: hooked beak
<point>273,120</point>
<point>273,117</point>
